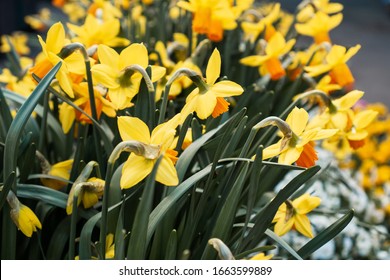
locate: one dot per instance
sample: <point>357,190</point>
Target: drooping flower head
<point>270,63</point>
<point>112,72</point>
<point>293,215</point>
<point>137,167</point>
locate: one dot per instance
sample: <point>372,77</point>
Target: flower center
<point>308,156</point>
<point>275,68</point>
<point>221,107</point>
<point>202,19</point>
<point>341,74</point>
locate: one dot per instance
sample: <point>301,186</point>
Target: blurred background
<point>366,22</point>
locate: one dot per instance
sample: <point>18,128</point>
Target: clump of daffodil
<point>208,99</point>
<point>137,167</point>
<point>72,64</point>
<point>335,63</point>
<point>87,193</point>
<point>269,63</point>
<point>293,215</point>
<point>319,26</point>
<point>23,217</point>
<point>297,144</point>
<point>114,72</point>
<point>68,114</point>
<point>95,32</point>
<point>308,9</point>
<point>210,17</point>
<point>61,170</point>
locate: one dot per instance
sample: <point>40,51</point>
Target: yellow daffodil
<point>319,26</point>
<point>88,193</point>
<point>137,167</point>
<point>270,62</point>
<point>40,21</point>
<point>337,116</point>
<point>74,11</point>
<point>60,169</point>
<point>74,63</point>
<point>294,215</point>
<point>210,17</point>
<point>23,217</point>
<point>261,256</point>
<point>335,64</point>
<point>357,133</point>
<point>300,147</point>
<point>112,73</point>
<point>210,100</point>
<point>95,32</point>
<point>18,41</point>
<point>68,114</point>
<point>310,9</point>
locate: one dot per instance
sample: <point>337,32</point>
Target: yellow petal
<point>348,100</point>
<point>317,70</point>
<point>166,172</point>
<point>131,128</point>
<point>226,89</point>
<point>119,97</point>
<point>358,135</point>
<point>325,133</point>
<point>108,56</point>
<point>297,120</point>
<point>67,116</point>
<point>213,67</point>
<point>64,81</point>
<point>134,54</point>
<point>135,169</point>
<point>75,63</point>
<point>89,199</point>
<point>272,150</point>
<point>105,75</point>
<point>205,104</point>
<point>157,73</point>
<point>364,118</point>
<point>254,60</point>
<point>351,52</point>
<point>282,227</point>
<point>55,38</point>
<point>336,54</point>
<point>290,155</point>
<point>302,225</point>
<point>335,21</point>
<point>306,203</point>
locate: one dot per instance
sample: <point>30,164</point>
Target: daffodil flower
<point>68,114</point>
<point>95,32</point>
<point>270,63</point>
<point>88,193</point>
<point>18,41</point>
<point>74,63</point>
<point>300,147</point>
<point>136,168</point>
<point>210,17</point>
<point>335,64</point>
<point>111,72</point>
<point>357,133</point>
<point>294,215</point>
<point>23,217</point>
<point>209,100</point>
<point>319,26</point>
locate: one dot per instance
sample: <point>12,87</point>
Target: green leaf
<point>44,194</point>
<point>283,243</point>
<point>326,235</point>
<point>10,158</point>
<point>171,250</point>
<point>59,240</point>
<point>6,187</point>
<point>138,237</point>
<point>224,222</point>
